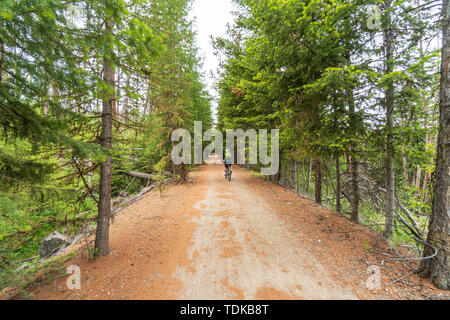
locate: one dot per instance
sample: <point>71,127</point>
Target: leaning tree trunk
<point>389,94</point>
<point>438,268</point>
<point>104,203</point>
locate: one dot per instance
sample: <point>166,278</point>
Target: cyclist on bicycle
<point>227,159</point>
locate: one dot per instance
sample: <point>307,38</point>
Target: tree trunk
<point>104,204</point>
<point>354,162</point>
<point>405,168</point>
<point>427,143</point>
<point>438,268</point>
<point>389,96</point>
<point>114,102</point>
<point>55,95</point>
<point>90,174</point>
<point>183,173</point>
<point>355,190</point>
<point>426,181</point>
<point>308,182</point>
<point>338,184</point>
<point>404,161</point>
<point>148,98</point>
<point>418,177</point>
<point>45,108</point>
<point>347,163</point>
<point>2,59</point>
<point>126,100</point>
<point>294,176</point>
<point>318,184</point>
<point>427,175</point>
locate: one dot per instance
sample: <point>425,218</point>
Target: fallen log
<point>141,175</point>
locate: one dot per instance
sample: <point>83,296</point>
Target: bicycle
<point>228,170</point>
<point>228,173</point>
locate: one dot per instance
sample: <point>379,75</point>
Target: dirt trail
<point>214,239</point>
<point>242,249</point>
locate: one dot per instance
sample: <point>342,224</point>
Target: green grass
<point>257,174</point>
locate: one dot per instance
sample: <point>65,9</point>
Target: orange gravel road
<point>214,239</point>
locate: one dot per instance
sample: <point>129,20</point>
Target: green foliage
<point>257,174</point>
<point>366,245</point>
<point>316,71</point>
<point>160,178</point>
<point>91,253</point>
<point>51,89</point>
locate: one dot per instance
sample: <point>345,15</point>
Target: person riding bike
<point>227,159</point>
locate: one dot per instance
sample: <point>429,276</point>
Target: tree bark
<point>104,204</point>
<point>2,59</point>
<point>318,184</point>
<point>389,100</point>
<point>114,102</point>
<point>338,184</point>
<point>404,161</point>
<point>126,100</point>
<point>405,168</point>
<point>55,95</point>
<point>355,190</point>
<point>45,108</point>
<point>418,177</point>
<point>294,176</point>
<point>308,182</point>
<point>427,175</point>
<point>354,157</point>
<point>438,268</point>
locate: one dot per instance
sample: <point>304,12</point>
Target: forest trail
<point>214,239</point>
<point>242,249</point>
